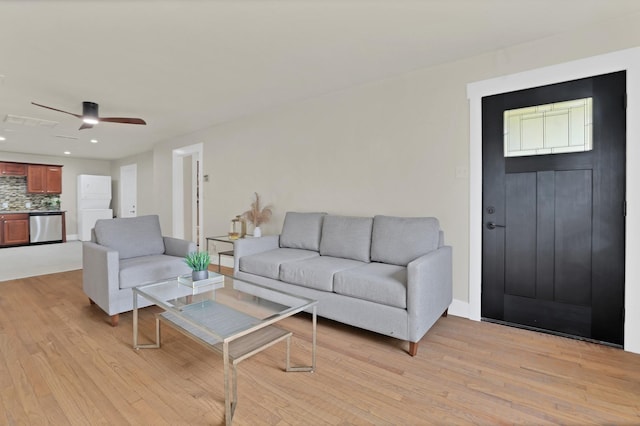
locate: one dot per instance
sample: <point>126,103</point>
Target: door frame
<point>625,60</point>
<point>196,153</point>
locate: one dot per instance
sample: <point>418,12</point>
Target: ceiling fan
<point>90,116</point>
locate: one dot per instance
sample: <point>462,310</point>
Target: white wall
<point>72,167</point>
<point>398,147</point>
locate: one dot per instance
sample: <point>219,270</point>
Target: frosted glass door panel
<point>555,128</point>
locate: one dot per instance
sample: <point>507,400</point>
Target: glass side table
<point>223,239</point>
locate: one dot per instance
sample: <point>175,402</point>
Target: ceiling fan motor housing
<point>90,111</point>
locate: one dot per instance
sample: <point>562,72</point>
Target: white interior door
<point>128,190</point>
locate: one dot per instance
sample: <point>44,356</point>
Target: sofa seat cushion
<point>131,236</point>
<point>316,273</point>
<point>399,240</point>
<point>346,236</point>
<point>302,231</point>
<point>267,264</point>
<point>145,269</point>
<point>375,282</point>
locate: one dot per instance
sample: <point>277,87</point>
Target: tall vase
<point>257,232</point>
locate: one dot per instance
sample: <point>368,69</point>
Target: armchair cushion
<point>132,236</point>
<point>145,269</point>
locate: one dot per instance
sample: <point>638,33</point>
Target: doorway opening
<point>187,185</point>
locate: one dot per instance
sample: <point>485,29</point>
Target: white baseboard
<point>459,308</point>
<point>72,237</point>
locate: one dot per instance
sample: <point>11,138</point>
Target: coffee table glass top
<point>225,310</point>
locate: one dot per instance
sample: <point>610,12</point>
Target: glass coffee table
<point>232,317</point>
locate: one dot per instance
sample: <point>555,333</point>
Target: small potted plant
<point>198,261</point>
<point>258,215</point>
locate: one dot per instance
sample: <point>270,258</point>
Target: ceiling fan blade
<point>125,120</point>
<point>90,113</point>
<point>56,109</point>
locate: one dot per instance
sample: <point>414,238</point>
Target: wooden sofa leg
<point>446,312</point>
<point>114,320</point>
<point>413,348</point>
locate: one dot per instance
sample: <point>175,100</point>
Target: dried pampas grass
<point>258,215</point>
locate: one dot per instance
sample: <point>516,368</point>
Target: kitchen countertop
<point>30,211</point>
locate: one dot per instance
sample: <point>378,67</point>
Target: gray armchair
<point>126,253</point>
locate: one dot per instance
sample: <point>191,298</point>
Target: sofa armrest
<point>178,247</point>
<point>100,273</point>
<point>429,290</point>
<point>248,246</point>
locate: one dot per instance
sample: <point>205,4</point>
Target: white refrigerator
<point>94,198</point>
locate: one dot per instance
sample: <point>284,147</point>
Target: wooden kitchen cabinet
<point>36,178</point>
<point>53,177</point>
<point>15,229</point>
<point>13,169</point>
<point>44,179</point>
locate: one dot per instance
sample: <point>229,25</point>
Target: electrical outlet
<point>5,205</point>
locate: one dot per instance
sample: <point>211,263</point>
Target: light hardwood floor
<point>62,363</point>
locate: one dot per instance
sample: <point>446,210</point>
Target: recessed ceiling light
<point>94,140</point>
<point>67,153</point>
<point>2,138</point>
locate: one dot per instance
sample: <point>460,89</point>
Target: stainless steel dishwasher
<point>45,227</point>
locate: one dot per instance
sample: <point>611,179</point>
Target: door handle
<point>491,225</point>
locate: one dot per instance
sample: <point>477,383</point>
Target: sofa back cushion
<point>131,236</point>
<point>347,237</point>
<point>399,240</point>
<point>302,231</point>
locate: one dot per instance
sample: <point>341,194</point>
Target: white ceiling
<point>187,65</point>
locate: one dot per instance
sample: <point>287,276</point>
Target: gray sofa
<point>390,275</point>
<point>125,253</point>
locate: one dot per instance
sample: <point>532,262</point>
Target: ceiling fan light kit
<point>90,115</point>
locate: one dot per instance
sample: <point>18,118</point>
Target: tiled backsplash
<point>13,190</point>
